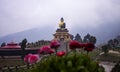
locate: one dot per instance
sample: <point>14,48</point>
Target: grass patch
<point>94,54</point>
<point>110,57</point>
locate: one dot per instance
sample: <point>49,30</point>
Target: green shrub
<point>72,62</point>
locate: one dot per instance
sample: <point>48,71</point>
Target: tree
<point>93,39</point>
<point>118,38</point>
<point>105,48</point>
<point>23,43</point>
<point>89,38</point>
<point>3,44</point>
<point>71,37</point>
<point>78,38</point>
<point>23,46</point>
<point>116,42</point>
<point>111,43</point>
<point>86,38</point>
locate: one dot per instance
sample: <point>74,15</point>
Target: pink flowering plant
<point>31,58</point>
<point>55,45</point>
<point>74,44</point>
<point>45,50</point>
<point>89,47</point>
<point>86,46</point>
<point>67,63</point>
<point>61,53</point>
<point>61,62</point>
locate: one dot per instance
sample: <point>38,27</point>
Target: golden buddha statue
<point>62,24</point>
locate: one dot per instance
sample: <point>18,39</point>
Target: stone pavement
<point>107,65</point>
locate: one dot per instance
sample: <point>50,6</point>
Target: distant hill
<point>31,35</point>
<point>103,33</point>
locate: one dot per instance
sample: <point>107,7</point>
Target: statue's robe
<point>62,26</point>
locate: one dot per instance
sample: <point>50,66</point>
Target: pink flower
<point>54,44</point>
<point>60,54</point>
<point>45,50</point>
<point>89,47</point>
<point>74,45</point>
<point>33,59</point>
<point>51,51</point>
<point>27,57</point>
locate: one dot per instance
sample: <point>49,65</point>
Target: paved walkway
<point>116,52</point>
<point>107,65</point>
<point>62,46</point>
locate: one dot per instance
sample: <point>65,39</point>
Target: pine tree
<point>89,38</point>
<point>86,38</point>
<point>78,38</point>
<point>3,44</point>
<point>92,39</point>
<point>116,42</point>
<point>23,46</point>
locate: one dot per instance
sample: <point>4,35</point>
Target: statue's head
<point>62,20</point>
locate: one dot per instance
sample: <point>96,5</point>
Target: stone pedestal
<point>62,35</point>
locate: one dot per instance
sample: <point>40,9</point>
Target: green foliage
<point>23,46</point>
<point>93,39</point>
<point>23,43</point>
<point>111,43</point>
<point>114,43</point>
<point>105,48</point>
<point>89,38</point>
<point>78,38</point>
<point>72,62</point>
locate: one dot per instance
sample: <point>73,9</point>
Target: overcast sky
<point>20,15</point>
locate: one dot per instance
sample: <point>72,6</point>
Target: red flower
<point>74,45</point>
<point>89,47</point>
<point>45,50</point>
<point>54,44</point>
<point>60,54</point>
<point>82,45</point>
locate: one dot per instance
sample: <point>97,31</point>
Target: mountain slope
<point>32,35</point>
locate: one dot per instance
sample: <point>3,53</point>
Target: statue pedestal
<point>62,35</point>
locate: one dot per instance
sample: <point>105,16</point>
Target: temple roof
<point>11,45</point>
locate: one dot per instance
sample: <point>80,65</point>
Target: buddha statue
<point>62,24</point>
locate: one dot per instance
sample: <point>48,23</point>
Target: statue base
<point>62,35</point>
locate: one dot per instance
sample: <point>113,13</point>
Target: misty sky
<point>94,16</point>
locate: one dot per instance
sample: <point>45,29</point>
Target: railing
<point>17,52</point>
<point>16,68</point>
